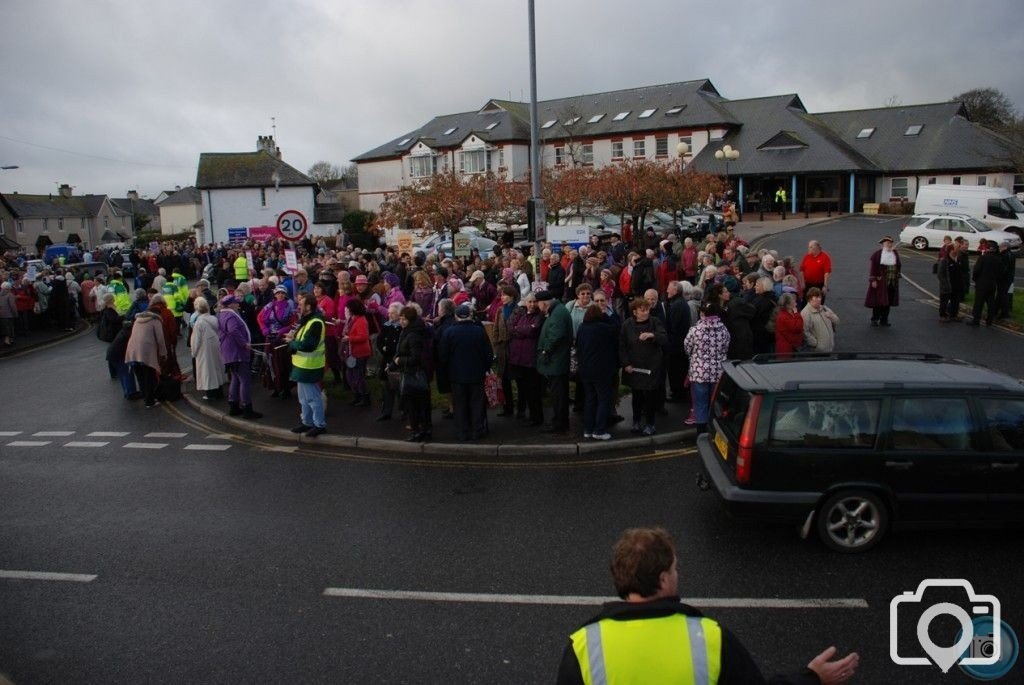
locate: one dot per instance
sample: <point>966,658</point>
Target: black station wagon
<point>848,444</point>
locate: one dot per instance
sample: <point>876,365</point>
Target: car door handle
<point>899,465</point>
<point>1003,466</point>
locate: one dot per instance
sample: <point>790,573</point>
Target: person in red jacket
<point>357,350</point>
<point>789,327</point>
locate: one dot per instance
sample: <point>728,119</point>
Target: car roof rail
<point>821,356</point>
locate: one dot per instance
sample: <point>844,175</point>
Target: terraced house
<point>836,160</point>
<point>31,220</point>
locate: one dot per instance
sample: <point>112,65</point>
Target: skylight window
<point>913,130</point>
<point>549,124</point>
<point>596,118</point>
<point>452,130</point>
<point>675,110</point>
<point>866,132</point>
<point>490,126</point>
<point>621,115</point>
<point>572,121</point>
<point>646,113</point>
<point>404,141</point>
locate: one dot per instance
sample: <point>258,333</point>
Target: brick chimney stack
<point>65,191</point>
<point>133,195</point>
<point>266,144</point>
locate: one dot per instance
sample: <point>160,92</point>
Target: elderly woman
<point>8,312</point>
<point>409,360</point>
<point>707,346</point>
<point>236,339</point>
<point>387,343</point>
<point>109,321</point>
<point>524,332</point>
<point>642,343</point>
<point>423,291</point>
<point>356,348</point>
<point>499,340</point>
<point>205,346</point>
<point>146,352</point>
<point>392,291</point>
<point>326,304</point>
<point>789,327</point>
<point>598,354</point>
<point>276,320</point>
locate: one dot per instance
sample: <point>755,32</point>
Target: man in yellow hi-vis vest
<point>652,637</point>
<point>309,357</point>
<point>780,198</point>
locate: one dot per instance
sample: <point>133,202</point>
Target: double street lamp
<point>682,150</point>
<point>729,154</point>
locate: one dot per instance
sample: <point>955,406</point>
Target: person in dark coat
<point>642,354</point>
<point>115,359</point>
<point>556,276</point>
<point>987,274</point>
<point>677,325</point>
<point>445,319</point>
<point>764,307</point>
<point>950,283</point>
<point>883,282</point>
<point>597,350</point>
<point>60,303</point>
<point>466,352</point>
<point>409,361</point>
<point>553,347</point>
<point>1004,298</point>
<point>737,317</point>
<point>643,277</point>
<point>524,326</point>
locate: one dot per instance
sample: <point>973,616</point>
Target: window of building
<point>639,148</point>
<point>60,224</point>
<point>452,130</point>
<point>492,125</point>
<point>21,226</point>
<point>661,146</point>
<point>596,118</point>
<point>404,141</point>
<point>422,165</point>
<point>616,149</point>
<point>932,180</point>
<point>866,132</point>
<point>263,201</point>
<point>983,180</point>
<point>81,223</point>
<point>588,153</point>
<point>825,423</point>
<point>689,143</point>
<point>571,121</point>
<point>956,180</point>
<point>46,225</point>
<point>931,423</point>
<point>124,221</point>
<point>621,115</point>
<point>900,187</point>
<point>549,124</point>
<point>559,155</point>
<point>717,135</point>
<point>646,113</point>
<point>914,130</point>
<point>1018,183</point>
<point>106,222</point>
<point>3,226</point>
<point>473,161</point>
<point>501,157</point>
<point>673,111</point>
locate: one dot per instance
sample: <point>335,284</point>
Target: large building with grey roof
<point>831,160</point>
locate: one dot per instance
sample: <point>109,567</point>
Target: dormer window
<point>492,125</point>
<point>572,121</point>
<point>404,141</point>
<point>866,133</point>
<point>596,118</point>
<point>549,124</point>
<point>913,130</point>
<point>646,113</point>
<point>621,115</point>
<point>675,110</point>
<point>452,130</point>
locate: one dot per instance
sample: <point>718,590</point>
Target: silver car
<point>927,230</point>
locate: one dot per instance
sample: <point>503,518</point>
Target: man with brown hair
<point>641,638</point>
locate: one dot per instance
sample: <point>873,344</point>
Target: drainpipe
<point>853,189</point>
<point>209,206</point>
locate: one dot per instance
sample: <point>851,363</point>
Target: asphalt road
<point>212,553</point>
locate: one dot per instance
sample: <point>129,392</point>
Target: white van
<point>996,207</point>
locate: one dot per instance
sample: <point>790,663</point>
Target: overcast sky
<point>110,95</point>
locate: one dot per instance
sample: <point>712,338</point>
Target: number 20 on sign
<point>292,224</point>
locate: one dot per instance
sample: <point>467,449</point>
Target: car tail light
<point>745,451</point>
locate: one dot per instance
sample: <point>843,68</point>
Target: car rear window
<point>825,423</point>
<point>730,405</point>
<point>1005,422</point>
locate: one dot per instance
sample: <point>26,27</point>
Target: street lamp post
<point>728,154</point>
<point>682,150</point>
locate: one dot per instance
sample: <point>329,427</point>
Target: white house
<point>180,211</point>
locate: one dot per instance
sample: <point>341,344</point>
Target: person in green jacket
<point>553,357</point>
<point>180,284</point>
<point>241,267</point>
<point>122,299</point>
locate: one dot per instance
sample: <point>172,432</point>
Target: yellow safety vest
<point>241,268</point>
<point>675,649</point>
<point>317,359</point>
<point>122,300</point>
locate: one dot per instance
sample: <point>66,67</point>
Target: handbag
<point>413,383</point>
<point>493,391</point>
<point>394,380</point>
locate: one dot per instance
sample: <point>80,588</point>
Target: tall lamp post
<point>728,154</point>
<point>682,150</point>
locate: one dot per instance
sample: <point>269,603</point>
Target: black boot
<point>248,413</point>
<point>235,410</point>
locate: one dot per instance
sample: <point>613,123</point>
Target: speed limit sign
<point>292,224</point>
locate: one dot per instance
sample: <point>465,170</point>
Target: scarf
<point>887,258</point>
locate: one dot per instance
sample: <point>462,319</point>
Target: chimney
<point>266,144</point>
<point>133,195</point>
<point>65,190</point>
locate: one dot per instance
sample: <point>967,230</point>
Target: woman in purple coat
<point>235,352</point>
<point>524,330</point>
<point>883,283</point>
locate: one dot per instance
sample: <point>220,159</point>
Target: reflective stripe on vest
<point>316,359</point>
<point>650,650</point>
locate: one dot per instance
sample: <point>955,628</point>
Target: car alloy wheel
<point>920,243</point>
<point>852,521</point>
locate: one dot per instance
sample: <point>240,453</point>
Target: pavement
<point>350,427</point>
<point>39,337</point>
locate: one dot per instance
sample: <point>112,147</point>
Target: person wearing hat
<point>988,273</point>
<point>883,282</point>
<point>553,357</point>
<point>236,351</point>
<point>276,320</point>
<point>482,292</point>
<point>465,352</point>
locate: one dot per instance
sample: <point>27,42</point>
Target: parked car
<point>848,444</point>
<point>927,230</point>
<point>484,245</point>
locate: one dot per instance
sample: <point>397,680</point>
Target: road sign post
<point>292,225</point>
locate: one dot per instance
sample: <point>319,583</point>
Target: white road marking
<point>108,434</point>
<point>145,445</point>
<point>281,448</point>
<point>9,434</point>
<point>221,436</point>
<point>45,575</point>
<point>53,434</point>
<point>208,447</point>
<point>29,443</point>
<point>165,435</point>
<point>86,444</point>
<point>577,600</point>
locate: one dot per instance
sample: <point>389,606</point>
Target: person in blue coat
<point>466,354</point>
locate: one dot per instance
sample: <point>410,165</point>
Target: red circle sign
<point>292,225</point>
